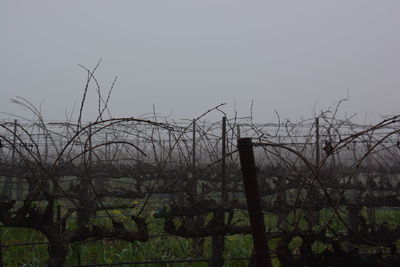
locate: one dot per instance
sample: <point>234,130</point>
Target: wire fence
<point>185,174</point>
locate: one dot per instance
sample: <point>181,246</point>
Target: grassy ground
<point>159,247</point>
<point>112,251</point>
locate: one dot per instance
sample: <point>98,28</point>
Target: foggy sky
<point>184,57</point>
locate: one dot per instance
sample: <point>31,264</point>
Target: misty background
<point>184,57</point>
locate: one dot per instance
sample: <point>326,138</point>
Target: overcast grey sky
<point>187,56</point>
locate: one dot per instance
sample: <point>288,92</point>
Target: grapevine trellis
<point>324,180</point>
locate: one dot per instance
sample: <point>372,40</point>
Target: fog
<point>181,58</point>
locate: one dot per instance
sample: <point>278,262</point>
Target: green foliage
<point>160,246</point>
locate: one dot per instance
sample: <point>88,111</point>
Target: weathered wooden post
<point>13,165</point>
<point>218,242</point>
<point>316,214</point>
<point>281,196</point>
<point>90,147</point>
<point>85,203</point>
<point>194,148</point>
<point>313,194</point>
<point>249,172</point>
<point>18,180</point>
<point>224,194</point>
<point>14,143</point>
<point>46,145</point>
<point>106,150</point>
<point>170,150</point>
<point>370,178</point>
<point>198,242</point>
<point>317,148</point>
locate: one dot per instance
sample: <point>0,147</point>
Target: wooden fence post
<point>223,163</point>
<point>218,242</point>
<point>317,149</point>
<point>90,147</point>
<point>249,171</point>
<point>170,149</point>
<point>370,178</point>
<point>14,143</point>
<point>315,189</point>
<point>313,214</point>
<point>13,164</point>
<point>106,150</point>
<point>46,145</point>
<point>194,148</point>
<point>197,242</point>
